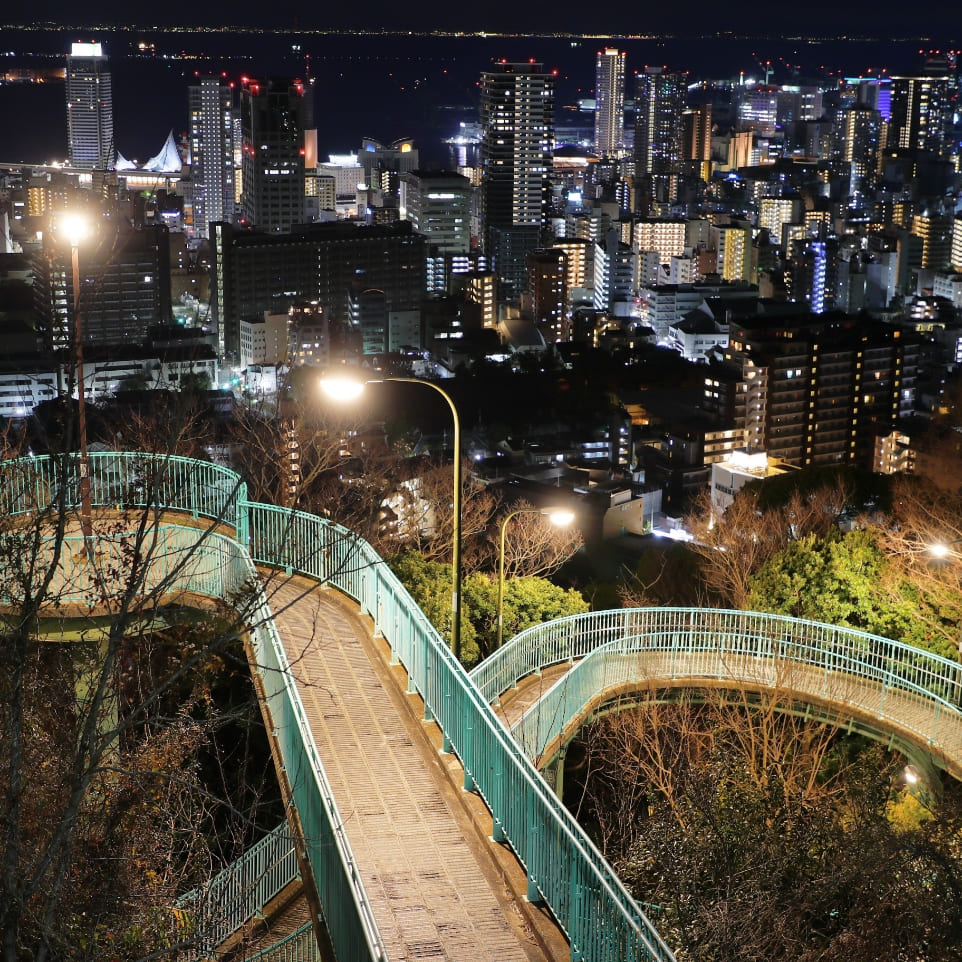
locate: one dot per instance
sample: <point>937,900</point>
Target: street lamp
<point>75,229</point>
<point>343,387</point>
<point>557,516</point>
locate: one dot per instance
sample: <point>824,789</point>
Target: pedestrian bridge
<point>890,691</point>
<point>388,863</point>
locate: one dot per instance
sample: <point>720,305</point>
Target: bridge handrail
<point>622,662</point>
<point>599,916</point>
<point>237,893</point>
<point>894,664</point>
<point>208,563</point>
<point>125,479</point>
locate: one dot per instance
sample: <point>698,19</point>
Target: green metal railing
<point>209,563</point>
<point>238,894</point>
<point>564,869</point>
<point>125,479</point>
<point>913,689</point>
<point>299,946</point>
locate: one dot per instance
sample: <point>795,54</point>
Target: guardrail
<point>565,870</point>
<point>208,563</point>
<point>235,895</point>
<point>610,649</point>
<point>299,946</point>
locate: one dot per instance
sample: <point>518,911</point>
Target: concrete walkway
<point>434,885</point>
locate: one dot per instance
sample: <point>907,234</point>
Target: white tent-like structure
<point>166,161</point>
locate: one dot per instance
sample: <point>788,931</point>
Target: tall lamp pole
<point>558,516</point>
<point>347,388</point>
<point>75,229</point>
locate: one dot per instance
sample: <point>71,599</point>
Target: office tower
<point>610,102</point>
<point>517,142</point>
<point>253,272</point>
<point>211,141</point>
<point>275,114</point>
<point>920,111</point>
<point>438,204</point>
<point>659,105</point>
<point>90,108</point>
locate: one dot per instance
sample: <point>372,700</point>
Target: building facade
<point>275,114</point>
<point>610,102</point>
<point>90,108</point>
<point>517,144</point>
<point>211,138</point>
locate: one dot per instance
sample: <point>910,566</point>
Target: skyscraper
<point>90,108</point>
<point>610,102</point>
<point>211,107</point>
<point>659,103</point>
<point>517,143</point>
<point>920,112</point>
<point>274,117</point>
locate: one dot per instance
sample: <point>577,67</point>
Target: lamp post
<point>75,229</point>
<point>347,388</point>
<point>558,516</point>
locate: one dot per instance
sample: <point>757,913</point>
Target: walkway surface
<point>434,888</point>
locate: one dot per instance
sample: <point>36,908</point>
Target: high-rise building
<point>324,264</point>
<point>813,271</point>
<point>610,102</point>
<point>275,115</point>
<point>696,140</point>
<point>920,113</point>
<point>438,204</point>
<point>734,246</point>
<point>124,287</point>
<point>858,132</point>
<point>819,390</point>
<point>211,143</point>
<point>90,108</point>
<point>659,104</point>
<point>517,143</point>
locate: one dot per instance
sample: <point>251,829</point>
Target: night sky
<point>819,18</point>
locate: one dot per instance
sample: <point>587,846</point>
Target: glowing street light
<point>558,516</point>
<point>75,228</point>
<point>343,387</point>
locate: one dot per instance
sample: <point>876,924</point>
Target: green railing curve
<point>602,922</point>
<point>896,687</point>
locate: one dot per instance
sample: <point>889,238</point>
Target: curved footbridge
<point>391,756</point>
<point>553,677</point>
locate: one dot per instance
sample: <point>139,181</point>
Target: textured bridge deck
<point>434,889</point>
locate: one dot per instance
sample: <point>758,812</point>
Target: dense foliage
<point>527,601</point>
